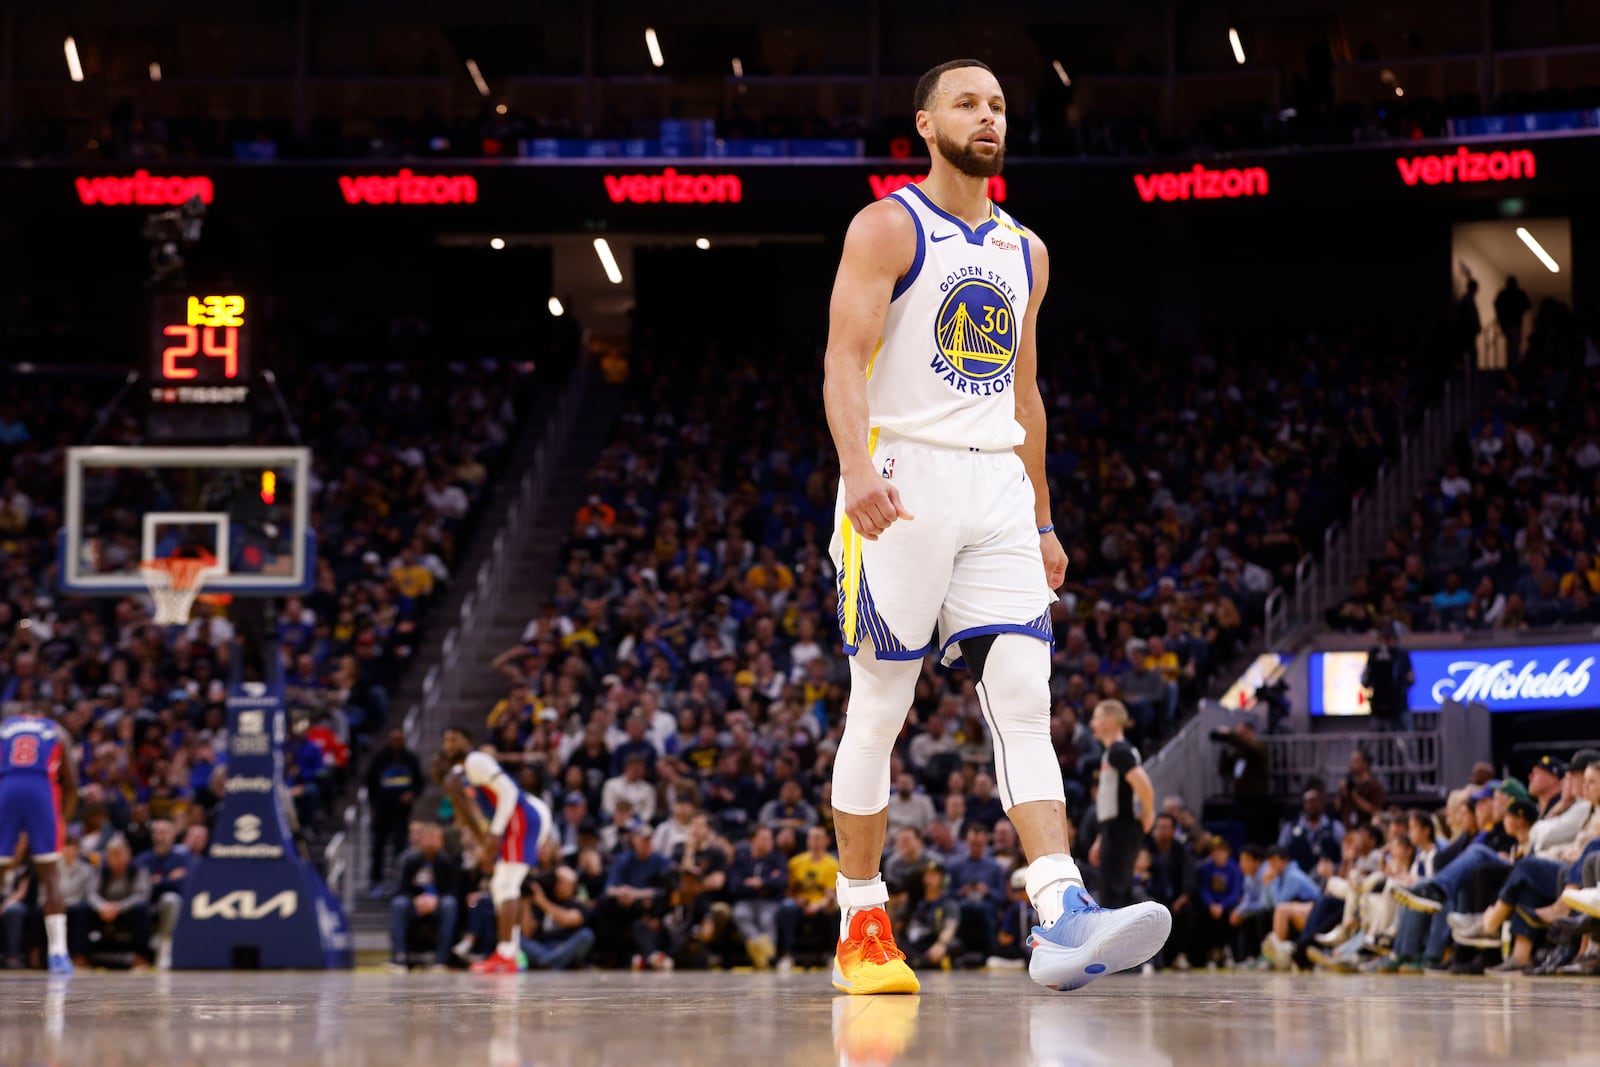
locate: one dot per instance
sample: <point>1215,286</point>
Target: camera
<point>1275,695</point>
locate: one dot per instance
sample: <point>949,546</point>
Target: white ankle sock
<point>55,932</point>
<point>508,949</point>
<point>858,894</point>
<point>1048,877</point>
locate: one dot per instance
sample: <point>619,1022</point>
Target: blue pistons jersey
<point>31,751</point>
<point>945,367</point>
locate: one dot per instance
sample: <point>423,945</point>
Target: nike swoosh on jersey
<point>943,236</point>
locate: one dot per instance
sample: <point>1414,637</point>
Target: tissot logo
<point>671,187</point>
<point>884,184</point>
<point>1465,166</point>
<point>1202,183</point>
<point>143,188</point>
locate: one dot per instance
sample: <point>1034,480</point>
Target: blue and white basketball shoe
<point>1089,941</point>
<point>61,966</point>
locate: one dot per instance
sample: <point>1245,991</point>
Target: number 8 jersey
<point>30,786</point>
<point>946,363</point>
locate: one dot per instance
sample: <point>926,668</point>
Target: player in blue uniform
<point>38,792</point>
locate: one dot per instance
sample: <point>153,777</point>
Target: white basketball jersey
<point>946,364</point>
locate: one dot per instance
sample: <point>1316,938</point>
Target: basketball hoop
<point>174,582</point>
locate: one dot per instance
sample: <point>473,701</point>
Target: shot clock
<point>200,339</point>
<point>200,369</point>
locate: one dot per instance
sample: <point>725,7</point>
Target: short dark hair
<point>1255,852</point>
<point>930,81</point>
<point>1277,853</point>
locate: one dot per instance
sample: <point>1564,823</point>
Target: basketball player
<point>943,521</point>
<point>38,792</point>
<point>519,827</point>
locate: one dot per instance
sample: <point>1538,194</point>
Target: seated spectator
<point>1291,893</point>
<point>613,837</point>
<point>1219,886</point>
<point>428,892</point>
<point>788,810</point>
<point>1251,918</point>
<point>120,903</point>
<point>758,880</point>
<point>1314,836</point>
<point>1361,795</point>
<point>635,899</point>
<point>933,928</point>
<point>19,904</point>
<point>555,931</point>
<point>907,807</point>
<point>983,805</point>
<point>167,864</point>
<point>979,885</point>
<point>78,876</point>
<point>809,915</point>
<point>1173,883</point>
<point>632,786</point>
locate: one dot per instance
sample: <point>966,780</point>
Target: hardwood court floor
<point>449,1020</point>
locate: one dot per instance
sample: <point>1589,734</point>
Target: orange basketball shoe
<point>869,961</point>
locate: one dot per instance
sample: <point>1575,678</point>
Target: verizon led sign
<point>1202,183</point>
<point>1464,166</point>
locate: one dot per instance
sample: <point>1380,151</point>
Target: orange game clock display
<point>200,339</point>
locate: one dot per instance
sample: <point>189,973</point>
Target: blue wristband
<point>1047,529</point>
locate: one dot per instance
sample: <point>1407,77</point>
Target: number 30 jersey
<point>945,367</point>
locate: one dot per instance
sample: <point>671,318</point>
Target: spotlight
<point>602,248</point>
<point>74,67</point>
<point>477,77</point>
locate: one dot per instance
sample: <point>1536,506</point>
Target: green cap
<point>1514,789</point>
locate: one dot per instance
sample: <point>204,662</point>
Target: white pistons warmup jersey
<point>946,364</point>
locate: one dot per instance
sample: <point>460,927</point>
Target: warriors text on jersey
<point>945,367</point>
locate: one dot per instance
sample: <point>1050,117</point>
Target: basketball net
<point>174,582</point>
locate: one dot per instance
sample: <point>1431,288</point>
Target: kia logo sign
<point>242,904</point>
<point>671,187</point>
<point>409,188</point>
<point>1465,166</point>
<point>884,184</point>
<point>143,188</point>
<point>1202,183</point>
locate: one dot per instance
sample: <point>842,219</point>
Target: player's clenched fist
<point>872,504</point>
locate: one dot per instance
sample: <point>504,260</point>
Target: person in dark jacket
<point>428,892</point>
<point>394,778</point>
<point>1389,675</point>
<point>757,881</point>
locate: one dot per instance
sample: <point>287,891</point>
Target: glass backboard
<point>247,507</point>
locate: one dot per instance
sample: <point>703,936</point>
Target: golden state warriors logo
<point>977,335</point>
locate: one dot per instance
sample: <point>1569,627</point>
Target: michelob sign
<point>1521,678</point>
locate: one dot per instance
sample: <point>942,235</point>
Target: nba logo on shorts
<point>888,467</point>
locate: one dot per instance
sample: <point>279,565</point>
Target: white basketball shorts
<point>968,564</point>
